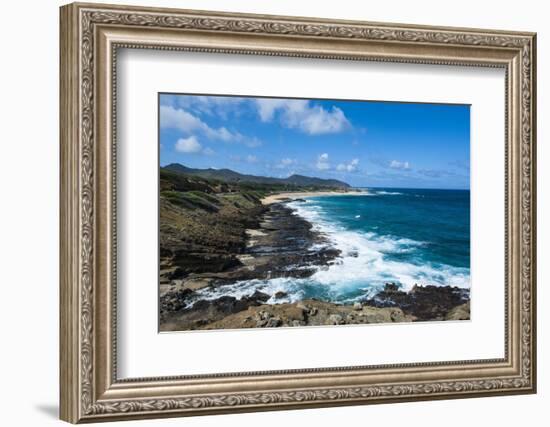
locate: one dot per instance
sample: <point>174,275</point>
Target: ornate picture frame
<point>90,37</point>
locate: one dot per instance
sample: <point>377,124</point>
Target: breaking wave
<point>367,261</point>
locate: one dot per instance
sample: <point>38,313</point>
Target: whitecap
<point>389,193</point>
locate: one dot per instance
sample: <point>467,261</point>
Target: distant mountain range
<point>230,176</point>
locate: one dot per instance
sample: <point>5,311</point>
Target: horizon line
<point>416,188</point>
<point>317,177</point>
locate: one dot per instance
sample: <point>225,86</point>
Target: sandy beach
<point>275,198</point>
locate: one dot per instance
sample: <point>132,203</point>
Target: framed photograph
<point>287,241</point>
<point>266,212</point>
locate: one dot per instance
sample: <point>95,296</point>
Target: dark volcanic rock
<point>203,311</point>
<point>198,241</point>
<point>258,297</point>
<point>227,304</point>
<point>424,302</point>
<point>282,246</point>
<point>280,294</point>
<point>174,301</point>
<point>391,288</point>
<point>204,262</point>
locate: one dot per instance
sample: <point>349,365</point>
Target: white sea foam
<point>293,288</point>
<point>389,193</point>
<point>361,270</point>
<point>364,257</point>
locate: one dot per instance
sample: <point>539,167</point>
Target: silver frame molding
<point>90,37</point>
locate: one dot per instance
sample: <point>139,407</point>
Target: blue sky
<point>364,143</point>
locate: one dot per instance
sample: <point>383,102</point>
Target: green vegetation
<point>245,200</point>
<point>213,191</point>
<point>192,200</point>
<point>203,196</point>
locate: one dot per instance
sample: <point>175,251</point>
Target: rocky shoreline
<point>267,242</point>
<point>449,303</point>
<point>279,246</point>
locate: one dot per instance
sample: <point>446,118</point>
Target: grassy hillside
<point>203,222</point>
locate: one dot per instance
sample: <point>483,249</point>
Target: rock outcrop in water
<point>426,302</point>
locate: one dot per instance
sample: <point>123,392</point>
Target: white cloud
<point>268,106</point>
<point>349,167</point>
<point>303,115</point>
<point>208,151</point>
<point>251,159</point>
<point>322,162</point>
<point>178,118</point>
<point>221,106</point>
<point>319,121</point>
<point>285,163</point>
<point>212,105</point>
<point>394,164</point>
<point>221,133</point>
<point>188,145</point>
<point>171,117</point>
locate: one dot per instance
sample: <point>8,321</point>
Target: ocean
<point>404,236</point>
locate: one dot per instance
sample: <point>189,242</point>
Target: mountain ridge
<point>231,176</point>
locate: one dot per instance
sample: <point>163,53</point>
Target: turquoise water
<point>405,236</point>
<point>437,221</point>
